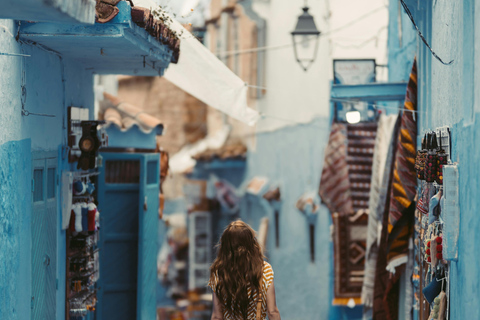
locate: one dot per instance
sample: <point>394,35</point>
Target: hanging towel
<point>382,160</point>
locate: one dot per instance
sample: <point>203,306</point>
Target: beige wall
<point>184,117</point>
<point>230,29</point>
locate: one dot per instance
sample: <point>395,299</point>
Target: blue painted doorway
<point>44,235</point>
<point>128,205</point>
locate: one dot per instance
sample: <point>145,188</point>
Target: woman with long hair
<point>242,282</point>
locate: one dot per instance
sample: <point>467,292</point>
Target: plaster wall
<point>303,288</point>
<point>357,37</point>
<point>293,95</point>
<point>454,101</point>
<point>402,42</point>
<point>448,95</point>
<point>41,82</point>
<point>15,242</point>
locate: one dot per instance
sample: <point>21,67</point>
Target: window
<point>124,171</point>
<point>152,172</point>
<point>38,185</point>
<point>51,183</point>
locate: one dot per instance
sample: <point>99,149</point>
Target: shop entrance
<point>44,235</point>
<point>128,203</point>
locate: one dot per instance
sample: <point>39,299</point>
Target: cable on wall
<point>409,14</point>
<point>276,47</point>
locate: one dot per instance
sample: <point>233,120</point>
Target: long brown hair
<point>237,268</point>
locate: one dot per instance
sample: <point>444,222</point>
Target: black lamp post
<point>305,39</point>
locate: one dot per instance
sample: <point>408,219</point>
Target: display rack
<point>82,256</point>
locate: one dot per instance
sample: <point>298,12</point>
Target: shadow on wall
<point>15,229</point>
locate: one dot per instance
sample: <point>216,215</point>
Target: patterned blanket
<point>345,188</point>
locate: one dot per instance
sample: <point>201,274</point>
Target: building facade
<point>447,98</point>
<point>47,67</point>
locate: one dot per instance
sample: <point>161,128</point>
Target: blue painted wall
<point>15,240</point>
<point>402,41</point>
<point>449,95</point>
<point>41,83</point>
<point>293,157</point>
<point>452,99</point>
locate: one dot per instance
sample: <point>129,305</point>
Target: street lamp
<point>353,116</point>
<point>305,39</point>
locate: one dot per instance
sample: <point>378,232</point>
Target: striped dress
<point>267,280</point>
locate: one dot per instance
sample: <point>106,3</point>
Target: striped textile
<point>267,280</point>
<point>344,188</point>
<point>400,207</point>
<point>361,146</point>
<point>404,182</point>
<point>335,184</point>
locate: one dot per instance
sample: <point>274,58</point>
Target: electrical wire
<point>14,54</point>
<point>7,30</point>
<point>267,48</point>
<point>376,106</point>
<point>365,42</point>
<point>351,23</point>
<point>409,14</point>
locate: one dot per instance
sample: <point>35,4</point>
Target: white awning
<point>200,73</point>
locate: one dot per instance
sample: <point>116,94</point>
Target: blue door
<point>44,240</point>
<point>128,205</point>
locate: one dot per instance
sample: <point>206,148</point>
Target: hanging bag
<point>431,160</point>
<point>420,160</point>
<point>441,161</point>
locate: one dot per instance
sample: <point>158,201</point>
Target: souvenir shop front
<point>395,233</point>
<point>436,225</point>
<point>55,251</point>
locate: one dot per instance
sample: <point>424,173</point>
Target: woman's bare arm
<point>217,309</point>
<point>272,309</point>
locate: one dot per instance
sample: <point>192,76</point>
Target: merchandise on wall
<point>82,266</point>
<point>436,226</point>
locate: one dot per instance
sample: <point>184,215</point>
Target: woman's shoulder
<point>267,268</point>
<point>267,275</point>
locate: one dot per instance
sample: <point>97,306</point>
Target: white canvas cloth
<point>200,73</point>
<point>381,161</point>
